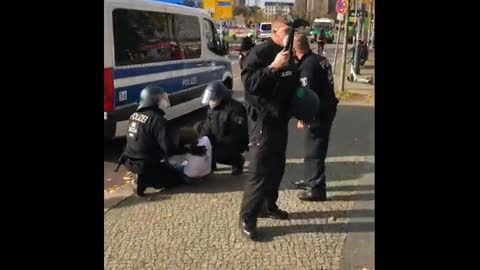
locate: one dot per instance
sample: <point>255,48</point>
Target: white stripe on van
<point>123,82</point>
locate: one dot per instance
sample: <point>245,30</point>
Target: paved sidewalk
<point>367,70</point>
<point>196,227</point>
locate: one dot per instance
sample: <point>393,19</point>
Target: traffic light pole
<point>356,59</point>
<point>336,45</point>
<point>344,48</point>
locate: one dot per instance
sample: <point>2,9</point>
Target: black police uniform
<point>247,44</point>
<point>321,40</point>
<point>226,127</point>
<point>150,139</point>
<point>316,73</point>
<point>267,97</point>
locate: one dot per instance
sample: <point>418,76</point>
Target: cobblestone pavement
<point>195,227</point>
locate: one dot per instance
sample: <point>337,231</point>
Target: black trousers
<point>227,155</point>
<point>268,144</point>
<point>321,45</point>
<point>154,174</point>
<point>316,147</point>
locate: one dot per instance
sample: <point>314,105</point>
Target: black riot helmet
<point>215,93</point>
<point>305,104</point>
<point>153,95</point>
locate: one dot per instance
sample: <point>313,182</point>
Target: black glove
<point>198,150</point>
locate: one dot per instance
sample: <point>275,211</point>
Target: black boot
<point>248,228</point>
<point>312,195</point>
<point>214,166</point>
<point>238,169</point>
<point>138,188</point>
<point>300,184</point>
<point>275,213</point>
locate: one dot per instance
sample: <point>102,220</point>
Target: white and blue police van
<point>155,42</point>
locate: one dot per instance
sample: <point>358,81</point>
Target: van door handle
<point>205,63</point>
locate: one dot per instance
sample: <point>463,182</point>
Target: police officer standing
<point>225,126</point>
<point>247,43</point>
<point>269,83</point>
<point>321,41</point>
<point>316,74</point>
<point>151,140</point>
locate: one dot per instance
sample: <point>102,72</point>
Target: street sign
<point>222,9</point>
<point>224,3</point>
<point>340,17</point>
<point>341,6</point>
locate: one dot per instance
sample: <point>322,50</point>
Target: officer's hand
<point>300,125</point>
<point>198,150</point>
<point>281,60</point>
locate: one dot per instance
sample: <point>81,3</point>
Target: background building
<point>311,9</point>
<point>239,3</point>
<point>274,8</point>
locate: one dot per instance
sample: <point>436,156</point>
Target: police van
<point>264,31</point>
<point>153,42</point>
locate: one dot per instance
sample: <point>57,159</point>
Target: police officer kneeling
<point>225,126</point>
<point>151,140</point>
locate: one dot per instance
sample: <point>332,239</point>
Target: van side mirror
<point>218,46</point>
<point>211,45</point>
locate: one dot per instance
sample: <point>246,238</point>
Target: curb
<point>120,194</point>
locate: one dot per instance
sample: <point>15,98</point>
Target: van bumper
<point>110,120</point>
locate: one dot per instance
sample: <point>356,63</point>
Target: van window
<point>187,34</point>
<point>211,36</point>
<point>208,30</point>
<point>148,37</point>
<point>266,27</point>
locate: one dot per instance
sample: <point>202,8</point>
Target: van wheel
<point>228,83</point>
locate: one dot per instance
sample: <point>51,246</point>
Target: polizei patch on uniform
<point>326,66</point>
<point>304,81</point>
<point>132,129</point>
<point>139,117</point>
<point>286,73</point>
